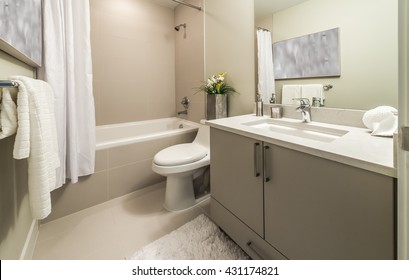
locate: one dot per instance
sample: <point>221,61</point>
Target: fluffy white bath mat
<point>199,239</point>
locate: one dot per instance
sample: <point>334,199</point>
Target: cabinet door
<point>320,209</point>
<point>236,176</point>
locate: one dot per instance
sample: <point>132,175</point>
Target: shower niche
<point>20,30</point>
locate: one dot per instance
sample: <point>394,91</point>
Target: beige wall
<point>15,214</point>
<point>133,48</point>
<point>229,47</point>
<point>190,59</point>
<point>265,22</point>
<point>368,48</point>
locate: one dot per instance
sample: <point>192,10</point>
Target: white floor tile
<point>112,230</point>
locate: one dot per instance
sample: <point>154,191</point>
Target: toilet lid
<point>180,154</point>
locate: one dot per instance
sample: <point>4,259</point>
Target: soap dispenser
<point>259,106</point>
<point>273,99</point>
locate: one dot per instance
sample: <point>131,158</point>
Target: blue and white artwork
<point>313,55</point>
<point>20,29</point>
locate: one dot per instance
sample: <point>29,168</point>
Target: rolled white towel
<point>382,120</point>
<point>289,92</point>
<point>313,90</point>
<point>8,115</point>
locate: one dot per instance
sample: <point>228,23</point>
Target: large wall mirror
<point>20,30</point>
<point>368,42</point>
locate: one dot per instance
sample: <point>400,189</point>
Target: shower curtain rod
<point>187,4</point>
<point>7,83</point>
<point>261,28</point>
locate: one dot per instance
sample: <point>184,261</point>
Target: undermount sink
<point>298,129</point>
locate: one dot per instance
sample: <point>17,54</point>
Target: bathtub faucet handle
<point>185,102</point>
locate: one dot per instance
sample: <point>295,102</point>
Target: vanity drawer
<point>248,240</point>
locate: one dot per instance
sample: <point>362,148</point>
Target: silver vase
<point>216,106</point>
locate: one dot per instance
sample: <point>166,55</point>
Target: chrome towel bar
<point>8,83</point>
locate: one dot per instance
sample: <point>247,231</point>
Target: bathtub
<point>108,136</point>
<point>123,163</point>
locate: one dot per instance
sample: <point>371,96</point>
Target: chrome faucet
<point>305,109</point>
<point>185,102</point>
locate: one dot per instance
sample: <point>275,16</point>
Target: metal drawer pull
<point>253,249</point>
<point>256,161</point>
<point>404,138</point>
<point>267,163</point>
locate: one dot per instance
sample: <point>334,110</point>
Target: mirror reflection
<point>368,46</point>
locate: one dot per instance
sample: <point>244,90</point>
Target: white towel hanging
<point>313,90</point>
<point>36,140</point>
<point>289,92</point>
<point>8,115</point>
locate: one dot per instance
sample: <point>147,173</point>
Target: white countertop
<point>356,148</point>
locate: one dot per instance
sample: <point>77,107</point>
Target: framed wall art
<point>20,30</point>
<point>312,55</point>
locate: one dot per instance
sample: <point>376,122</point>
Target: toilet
<point>181,164</point>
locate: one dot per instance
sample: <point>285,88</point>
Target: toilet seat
<point>180,154</point>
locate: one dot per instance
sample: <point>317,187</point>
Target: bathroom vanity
<point>282,189</point>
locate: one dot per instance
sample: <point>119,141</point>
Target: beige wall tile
<point>70,198</point>
<point>145,150</point>
<point>133,59</point>
<point>196,112</point>
<point>190,59</point>
<point>101,160</point>
<point>129,178</point>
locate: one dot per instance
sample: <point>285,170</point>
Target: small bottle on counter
<point>273,99</point>
<point>276,112</point>
<point>316,102</point>
<point>259,106</point>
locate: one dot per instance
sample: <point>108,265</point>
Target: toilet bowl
<point>181,164</point>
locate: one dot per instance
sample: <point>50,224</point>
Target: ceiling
<point>166,3</point>
<point>262,8</point>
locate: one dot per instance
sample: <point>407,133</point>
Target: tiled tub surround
<point>122,165</point>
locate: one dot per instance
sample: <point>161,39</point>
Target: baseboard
<point>31,240</point>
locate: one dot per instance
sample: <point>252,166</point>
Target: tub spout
<point>184,112</point>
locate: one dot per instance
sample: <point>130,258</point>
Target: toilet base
<point>198,201</point>
<point>179,193</point>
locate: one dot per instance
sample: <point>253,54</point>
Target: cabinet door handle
<point>253,249</point>
<point>256,160</point>
<point>267,163</point>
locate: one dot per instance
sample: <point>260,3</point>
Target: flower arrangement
<point>216,84</point>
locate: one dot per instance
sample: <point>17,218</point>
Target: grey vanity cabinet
<point>301,206</point>
<point>321,209</point>
<point>236,184</point>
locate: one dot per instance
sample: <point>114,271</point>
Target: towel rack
<point>328,86</point>
<point>8,83</point>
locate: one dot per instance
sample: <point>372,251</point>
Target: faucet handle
<point>185,102</point>
<point>303,101</point>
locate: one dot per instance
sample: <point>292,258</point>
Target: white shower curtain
<point>266,82</point>
<point>67,67</point>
